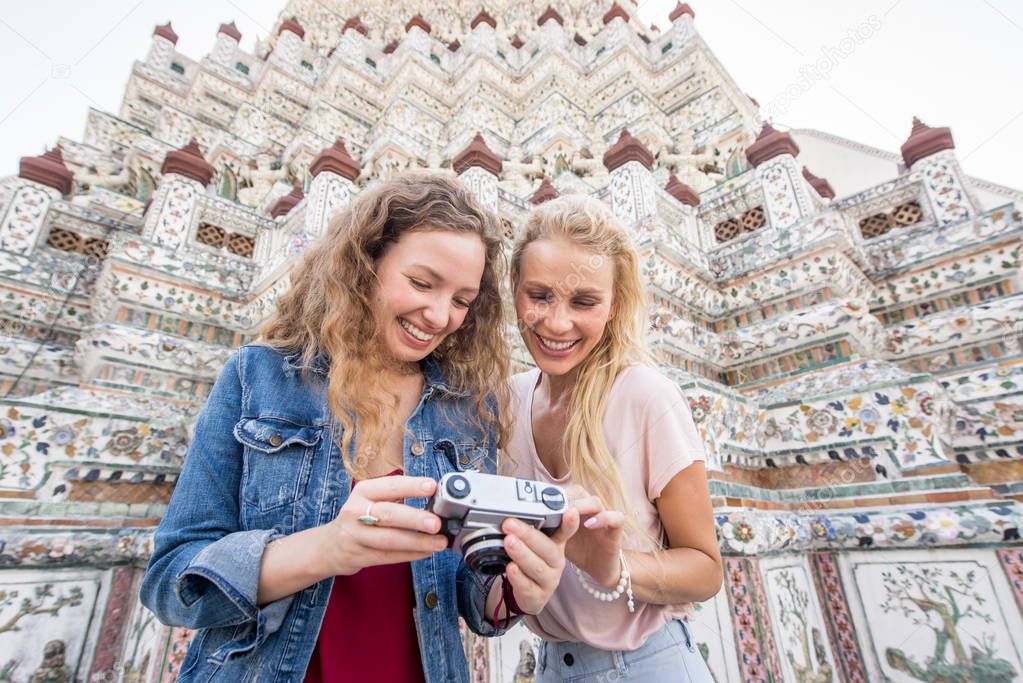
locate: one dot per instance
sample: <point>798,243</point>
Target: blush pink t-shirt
<point>651,435</point>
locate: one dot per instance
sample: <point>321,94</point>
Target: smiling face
<point>564,300</point>
<point>426,282</point>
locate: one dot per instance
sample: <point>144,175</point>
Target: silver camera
<point>473,505</point>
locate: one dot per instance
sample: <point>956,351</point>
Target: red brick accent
<point>682,192</point>
<point>166,31</point>
<point>230,30</point>
<point>336,159</point>
<point>770,144</point>
<point>293,26</point>
<point>483,18</point>
<point>356,23</point>
<point>477,154</point>
<point>615,11</point>
<point>680,9</point>
<point>924,141</point>
<point>544,193</point>
<point>628,148</point>
<point>551,13</point>
<point>119,605</point>
<point>822,186</point>
<point>189,162</point>
<point>48,169</point>
<point>284,205</point>
<point>417,20</point>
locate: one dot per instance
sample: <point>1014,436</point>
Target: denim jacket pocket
<point>278,459</point>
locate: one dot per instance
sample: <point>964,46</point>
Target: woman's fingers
<point>590,505</point>
<point>569,525</point>
<point>398,540</point>
<point>400,516</point>
<point>534,551</point>
<point>609,519</point>
<point>396,488</point>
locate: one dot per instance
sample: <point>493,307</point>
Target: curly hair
<point>327,311</point>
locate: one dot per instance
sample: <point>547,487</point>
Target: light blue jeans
<point>667,656</point>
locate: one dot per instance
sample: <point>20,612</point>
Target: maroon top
<point>368,633</point>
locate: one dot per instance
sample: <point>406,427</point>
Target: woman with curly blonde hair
<point>296,541</point>
<point>596,416</point>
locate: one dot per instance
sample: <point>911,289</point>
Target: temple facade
<point>846,322</point>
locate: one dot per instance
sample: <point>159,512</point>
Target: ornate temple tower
<point>850,349</point>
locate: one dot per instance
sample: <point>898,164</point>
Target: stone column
<point>417,36</point>
<point>228,37</point>
<point>633,196</point>
<point>352,46</point>
<point>333,185</point>
<point>931,153</point>
<point>175,203</point>
<point>479,167</point>
<point>786,193</point>
<point>161,50</point>
<point>288,51</point>
<point>44,179</point>
<point>483,38</point>
<point>689,200</point>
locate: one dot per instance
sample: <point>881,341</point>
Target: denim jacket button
<point>275,440</point>
<point>430,600</point>
<point>569,659</point>
<point>417,449</point>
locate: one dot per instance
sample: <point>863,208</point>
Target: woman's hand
<point>402,534</point>
<point>595,547</point>
<point>537,560</point>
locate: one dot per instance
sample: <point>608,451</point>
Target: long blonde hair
<point>589,224</point>
<point>327,311</point>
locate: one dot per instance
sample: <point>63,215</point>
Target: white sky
<point>954,64</point>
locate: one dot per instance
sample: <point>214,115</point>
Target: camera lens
<point>484,551</point>
<point>458,486</point>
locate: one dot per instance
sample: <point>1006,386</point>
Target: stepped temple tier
<point>846,322</point>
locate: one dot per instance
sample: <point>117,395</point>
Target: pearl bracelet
<point>624,584</point>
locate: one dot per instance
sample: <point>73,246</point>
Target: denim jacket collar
<point>432,373</point>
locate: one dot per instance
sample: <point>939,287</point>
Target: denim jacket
<point>264,463</point>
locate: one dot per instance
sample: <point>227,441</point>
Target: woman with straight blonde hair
<point>296,541</point>
<point>596,416</point>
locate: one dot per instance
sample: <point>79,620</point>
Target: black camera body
<point>472,506</point>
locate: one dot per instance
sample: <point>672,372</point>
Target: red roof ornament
<point>615,11</point>
<point>680,9</point>
<point>189,162</point>
<point>336,159</point>
<point>230,30</point>
<point>516,41</point>
<point>544,193</point>
<point>293,26</point>
<point>579,40</point>
<point>390,47</point>
<point>166,31</point>
<point>628,148</point>
<point>682,192</point>
<point>770,144</point>
<point>477,154</point>
<point>483,18</point>
<point>48,169</point>
<point>417,20</point>
<point>550,13</point>
<point>924,141</point>
<point>284,205</point>
<point>356,23</point>
<point>454,45</point>
<point>822,186</point>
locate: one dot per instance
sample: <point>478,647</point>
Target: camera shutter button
<point>552,498</point>
<point>458,487</point>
